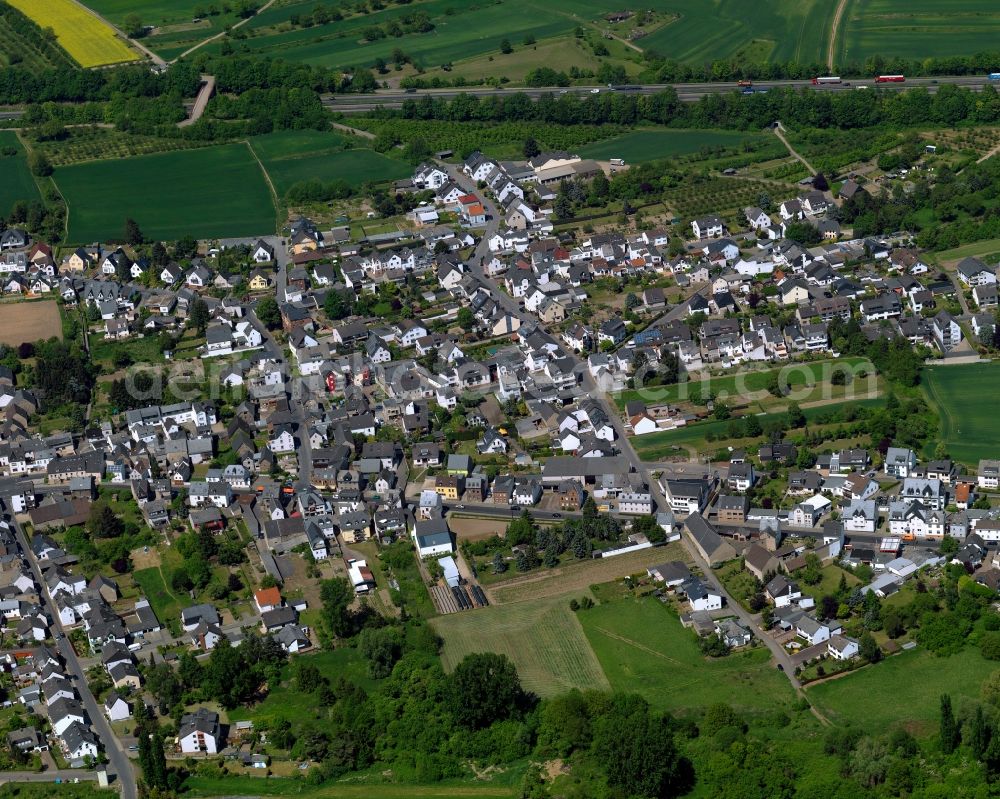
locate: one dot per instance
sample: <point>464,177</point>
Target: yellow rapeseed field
<point>86,38</point>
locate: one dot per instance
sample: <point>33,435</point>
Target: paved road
<point>117,756</point>
<point>622,440</point>
<point>686,92</point>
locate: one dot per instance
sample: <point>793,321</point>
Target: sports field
<point>206,193</point>
<point>17,183</point>
<point>775,30</point>
<point>543,638</point>
<point>916,29</point>
<point>85,37</point>
<point>965,399</point>
<point>293,156</point>
<point>29,321</point>
<point>643,648</point>
<point>648,145</point>
<point>904,689</point>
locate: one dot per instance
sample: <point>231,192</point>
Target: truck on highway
<point>994,76</point>
<point>890,78</point>
<point>742,83</point>
<point>826,79</point>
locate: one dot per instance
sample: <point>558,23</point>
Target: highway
<point>687,92</point>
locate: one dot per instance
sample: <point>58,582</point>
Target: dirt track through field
<point>834,28</point>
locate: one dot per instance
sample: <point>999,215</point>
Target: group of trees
<point>231,676</point>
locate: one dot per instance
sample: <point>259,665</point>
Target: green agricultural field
<point>648,145</point>
<point>17,183</point>
<point>779,30</point>
<point>460,31</point>
<point>642,647</point>
<point>297,143</point>
<point>963,396</point>
<point>916,29</point>
<point>214,191</point>
<point>904,689</point>
<point>293,156</point>
<point>173,20</point>
<point>543,638</point>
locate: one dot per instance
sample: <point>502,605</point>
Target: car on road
<point>556,515</point>
<point>460,507</point>
<point>595,91</point>
<point>780,667</point>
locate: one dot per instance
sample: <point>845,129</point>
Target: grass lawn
<point>256,786</point>
<point>287,701</point>
<point>544,639</point>
<point>693,437</point>
<point>48,790</point>
<point>976,249</point>
<point>642,647</point>
<point>17,183</point>
<point>647,145</point>
<point>165,603</point>
<point>830,582</point>
<point>210,192</point>
<point>963,396</point>
<point>905,689</point>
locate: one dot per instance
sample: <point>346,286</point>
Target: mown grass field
<point>86,38</point>
<point>694,437</point>
<point>293,156</point>
<point>904,689</point>
<point>643,648</point>
<point>648,145</point>
<point>964,398</point>
<point>809,382</point>
<point>17,183</point>
<point>165,604</point>
<point>779,30</point>
<point>196,786</point>
<point>543,638</point>
<point>210,192</point>
<point>916,29</point>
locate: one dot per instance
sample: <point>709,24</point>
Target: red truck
<point>890,78</point>
<point>742,83</point>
